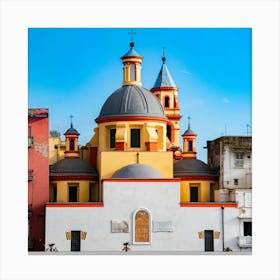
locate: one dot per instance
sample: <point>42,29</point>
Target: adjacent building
<point>38,176</point>
<point>231,157</point>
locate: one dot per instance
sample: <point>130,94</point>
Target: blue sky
<point>73,71</point>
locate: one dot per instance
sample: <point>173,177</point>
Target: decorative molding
<point>68,235</point>
<point>74,204</point>
<point>83,235</point>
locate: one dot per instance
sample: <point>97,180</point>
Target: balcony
<point>30,141</point>
<point>244,241</point>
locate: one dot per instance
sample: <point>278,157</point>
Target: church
<point>132,187</point>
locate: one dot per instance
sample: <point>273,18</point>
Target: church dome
<point>72,167</point>
<point>192,167</point>
<point>137,171</point>
<point>132,100</point>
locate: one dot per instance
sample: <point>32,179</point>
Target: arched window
<point>72,145</point>
<point>168,132</point>
<point>166,101</point>
<point>142,227</point>
<point>190,146</point>
<point>132,72</point>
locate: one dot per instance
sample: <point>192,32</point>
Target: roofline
<point>196,177</point>
<point>129,118</point>
<point>154,89</point>
<point>73,204</point>
<point>73,177</point>
<point>230,136</point>
<point>210,204</point>
<point>141,180</point>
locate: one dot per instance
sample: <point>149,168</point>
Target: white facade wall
<point>162,201</point>
<point>231,171</point>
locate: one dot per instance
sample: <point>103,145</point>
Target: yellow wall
<point>110,162</point>
<point>62,190</point>
<point>148,134</point>
<point>203,190</point>
<point>56,154</point>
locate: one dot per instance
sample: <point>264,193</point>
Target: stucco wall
<point>121,200</point>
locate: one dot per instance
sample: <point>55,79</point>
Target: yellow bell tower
<point>132,67</point>
<point>189,142</point>
<point>167,93</point>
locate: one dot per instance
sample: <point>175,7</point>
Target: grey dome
<point>132,100</point>
<point>71,130</point>
<point>72,167</point>
<point>192,167</point>
<point>138,171</point>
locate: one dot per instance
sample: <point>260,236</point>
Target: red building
<point>38,176</point>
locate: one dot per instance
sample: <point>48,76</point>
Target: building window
<point>135,138</point>
<point>168,132</point>
<point>132,72</point>
<point>112,138</point>
<point>93,192</point>
<point>190,146</point>
<point>30,137</point>
<point>212,192</point>
<point>142,227</point>
<point>73,193</point>
<point>53,193</point>
<point>239,160</point>
<point>247,228</point>
<point>235,182</point>
<point>75,240</point>
<point>193,194</point>
<point>72,145</point>
<point>166,102</point>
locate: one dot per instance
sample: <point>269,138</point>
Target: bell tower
<point>132,66</point>
<point>71,141</point>
<point>167,93</point>
<point>189,142</point>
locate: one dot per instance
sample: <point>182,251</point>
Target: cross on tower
<point>163,55</point>
<point>131,34</point>
<point>71,117</point>
<point>137,155</point>
<point>189,118</point>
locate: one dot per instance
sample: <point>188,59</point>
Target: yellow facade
<point>149,131</point>
<point>86,190</point>
<point>56,149</point>
<point>110,162</point>
<point>205,188</point>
